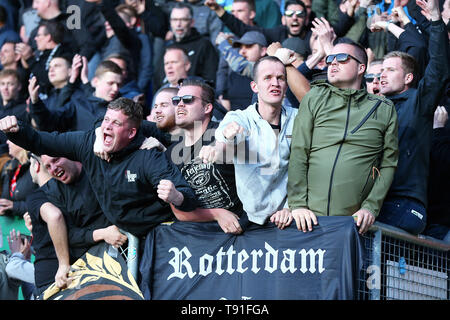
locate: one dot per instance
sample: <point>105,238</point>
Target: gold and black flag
<point>97,276</point>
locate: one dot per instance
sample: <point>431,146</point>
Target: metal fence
<point>401,266</point>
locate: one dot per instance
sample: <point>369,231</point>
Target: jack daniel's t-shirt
<point>214,184</point>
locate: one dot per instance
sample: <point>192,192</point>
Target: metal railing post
<point>374,293</point>
<point>132,254</point>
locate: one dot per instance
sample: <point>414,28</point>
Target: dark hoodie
<point>79,114</point>
<point>126,186</point>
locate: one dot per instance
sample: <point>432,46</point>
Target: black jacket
<point>76,40</point>
<point>79,114</point>
<point>415,108</point>
<point>16,108</point>
<point>126,186</point>
<point>438,191</point>
<point>202,54</point>
<point>24,186</point>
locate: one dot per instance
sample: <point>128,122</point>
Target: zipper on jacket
<point>375,107</point>
<point>337,156</point>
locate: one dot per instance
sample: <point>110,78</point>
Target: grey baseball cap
<point>251,37</point>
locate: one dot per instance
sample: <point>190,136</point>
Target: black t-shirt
<point>214,184</point>
<point>46,262</point>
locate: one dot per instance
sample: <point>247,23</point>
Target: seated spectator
<point>16,182</point>
<point>234,89</point>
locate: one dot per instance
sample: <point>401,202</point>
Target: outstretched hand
<point>430,9</point>
<point>33,90</point>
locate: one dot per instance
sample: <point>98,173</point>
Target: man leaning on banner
<point>344,145</point>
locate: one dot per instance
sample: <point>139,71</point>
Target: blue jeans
<point>405,214</point>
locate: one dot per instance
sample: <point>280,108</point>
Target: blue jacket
<point>415,108</point>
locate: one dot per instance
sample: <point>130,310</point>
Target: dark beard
<point>299,35</point>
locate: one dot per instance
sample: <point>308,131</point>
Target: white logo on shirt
<point>131,176</point>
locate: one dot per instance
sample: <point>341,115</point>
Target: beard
<point>166,125</point>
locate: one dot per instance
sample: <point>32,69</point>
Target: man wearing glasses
<point>214,183</point>
<point>373,76</point>
<point>294,23</point>
<point>344,146</point>
<point>200,51</point>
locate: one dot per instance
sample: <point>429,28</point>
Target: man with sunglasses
<point>344,145</point>
<point>293,23</point>
<point>373,76</point>
<point>214,184</point>
<point>406,202</point>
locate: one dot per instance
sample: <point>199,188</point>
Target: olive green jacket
<point>344,151</point>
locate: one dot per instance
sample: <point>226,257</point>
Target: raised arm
<point>71,145</point>
<point>437,70</point>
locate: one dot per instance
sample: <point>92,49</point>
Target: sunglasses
<point>371,76</point>
<point>340,57</point>
<point>187,99</point>
<point>298,13</point>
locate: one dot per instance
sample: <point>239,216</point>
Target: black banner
<point>197,261</point>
